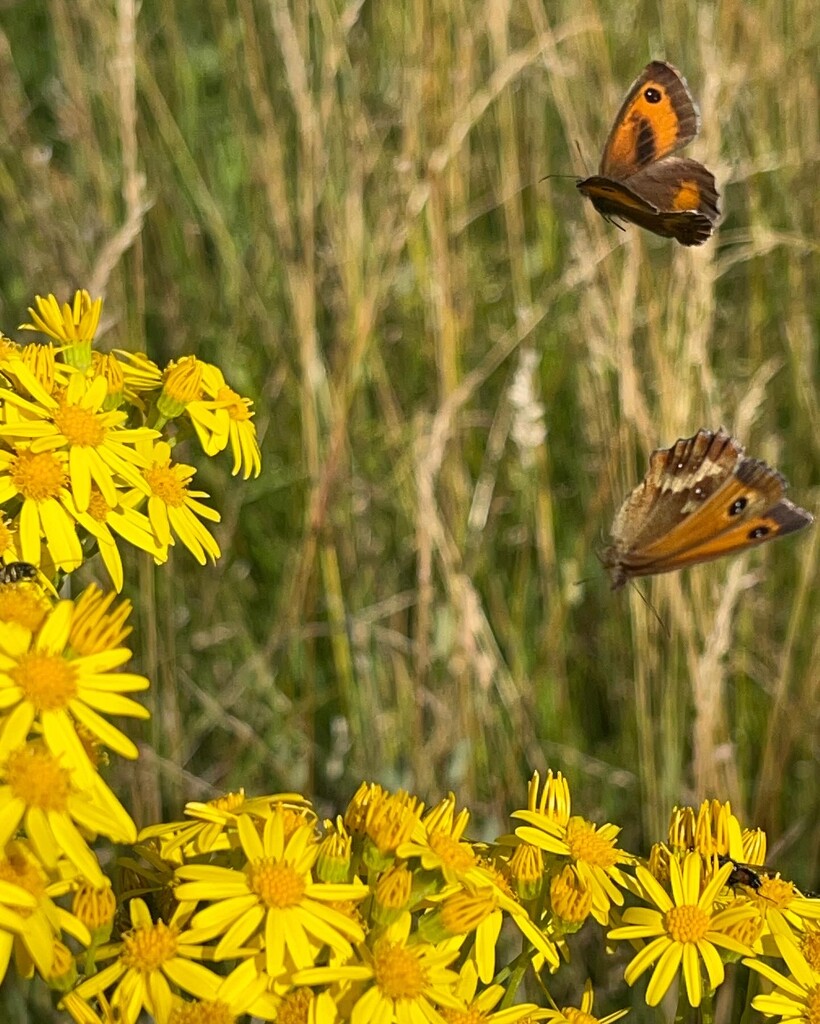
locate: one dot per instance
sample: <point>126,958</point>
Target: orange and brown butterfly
<point>638,179</point>
<point>700,499</point>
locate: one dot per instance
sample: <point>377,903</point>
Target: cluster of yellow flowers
<point>83,458</point>
<point>254,906</point>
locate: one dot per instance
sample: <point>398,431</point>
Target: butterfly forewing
<point>657,117</point>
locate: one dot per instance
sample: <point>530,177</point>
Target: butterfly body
<point>700,499</point>
<point>638,179</point>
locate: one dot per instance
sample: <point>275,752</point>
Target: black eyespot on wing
<point>737,506</point>
<point>651,95</point>
<point>758,532</point>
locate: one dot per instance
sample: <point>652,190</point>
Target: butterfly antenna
<point>581,158</point>
<point>652,608</point>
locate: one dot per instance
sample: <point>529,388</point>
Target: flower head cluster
<point>86,458</point>
<point>61,678</point>
<point>707,905</point>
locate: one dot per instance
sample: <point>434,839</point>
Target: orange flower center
<point>399,972</point>
<point>295,1007</point>
<point>149,946</point>
<point>776,891</point>
<point>35,776</point>
<point>47,680</point>
<point>586,844</point>
<point>79,426</point>
<point>234,403</point>
<point>687,923</point>
<point>166,484</point>
<point>276,883</point>
<point>38,476</point>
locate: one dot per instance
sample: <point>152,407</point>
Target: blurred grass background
<point>459,370</point>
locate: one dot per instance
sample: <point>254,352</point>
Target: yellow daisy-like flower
<point>480,1008</point>
<point>152,957</point>
<point>74,325</point>
<point>399,980</point>
<point>713,831</point>
<point>223,416</point>
<point>591,849</point>
<point>437,842</point>
<point>173,508</point>
<point>582,1014</point>
<point>43,680</point>
<point>40,481</point>
<point>686,929</point>
<point>36,943</point>
<point>390,819</point>
<point>36,791</point>
<point>274,896</point>
<point>181,385</point>
<point>101,450</point>
<point>796,998</point>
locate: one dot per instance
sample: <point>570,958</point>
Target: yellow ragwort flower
<point>34,943</point>
<point>37,792</point>
<point>43,681</point>
<point>151,958</point>
<point>101,450</point>
<point>591,849</point>
<point>40,481</point>
<point>173,508</point>
<point>400,979</point>
<point>480,1008</point>
<point>273,896</point>
<point>102,522</point>
<point>437,841</point>
<point>685,929</point>
<point>582,1014</point>
<point>224,417</point>
<point>213,823</point>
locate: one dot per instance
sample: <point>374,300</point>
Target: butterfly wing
<point>700,499</point>
<point>684,203</point>
<point>657,117</point>
<point>746,510</point>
